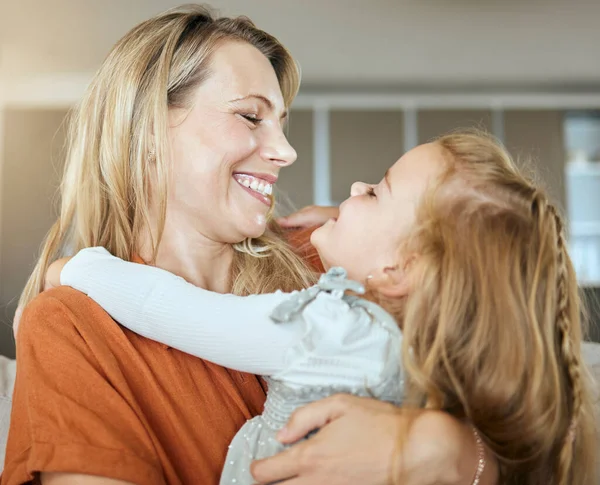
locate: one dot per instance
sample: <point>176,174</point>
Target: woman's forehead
<point>239,70</point>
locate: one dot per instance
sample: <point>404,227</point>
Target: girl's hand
<point>358,445</point>
<point>310,216</point>
<point>52,279</point>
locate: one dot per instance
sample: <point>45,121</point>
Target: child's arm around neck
<point>318,337</point>
<point>229,330</point>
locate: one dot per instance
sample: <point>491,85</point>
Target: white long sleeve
<point>229,330</point>
<point>325,340</point>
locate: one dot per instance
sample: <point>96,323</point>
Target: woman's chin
<point>248,221</point>
<point>255,227</point>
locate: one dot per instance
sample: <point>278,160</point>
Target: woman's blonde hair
<point>117,136</point>
<point>492,328</point>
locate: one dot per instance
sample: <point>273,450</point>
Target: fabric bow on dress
<point>335,281</point>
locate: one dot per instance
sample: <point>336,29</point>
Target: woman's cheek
<point>242,142</point>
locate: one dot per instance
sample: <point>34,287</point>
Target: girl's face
<point>366,236</point>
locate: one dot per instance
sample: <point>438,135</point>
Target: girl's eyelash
<point>371,192</point>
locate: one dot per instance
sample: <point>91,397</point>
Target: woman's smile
<point>259,186</point>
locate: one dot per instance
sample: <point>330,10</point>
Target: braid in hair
<point>570,357</point>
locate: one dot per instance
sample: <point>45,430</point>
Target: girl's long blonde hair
<point>492,328</point>
<point>117,136</point>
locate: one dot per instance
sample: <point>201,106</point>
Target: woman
<point>172,157</point>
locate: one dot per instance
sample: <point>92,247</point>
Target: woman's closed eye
<point>251,118</point>
<point>371,192</point>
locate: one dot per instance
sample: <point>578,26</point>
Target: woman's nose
<point>358,188</point>
<point>277,150</point>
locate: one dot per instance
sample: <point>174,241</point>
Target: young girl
<point>455,247</point>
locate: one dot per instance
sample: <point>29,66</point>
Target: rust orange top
<point>92,397</point>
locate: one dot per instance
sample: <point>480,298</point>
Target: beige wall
<point>364,144</point>
<point>350,43</point>
<point>532,137</point>
<point>33,140</point>
<point>537,138</point>
<point>295,182</point>
<point>433,123</point>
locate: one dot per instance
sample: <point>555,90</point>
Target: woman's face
<point>227,149</point>
<point>367,234</point>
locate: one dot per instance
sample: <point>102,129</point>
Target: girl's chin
<point>319,240</point>
<point>317,237</point>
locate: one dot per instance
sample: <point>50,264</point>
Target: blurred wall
<point>440,42</point>
<point>295,184</point>
<point>364,144</point>
<point>32,160</point>
<point>536,138</point>
<point>432,123</point>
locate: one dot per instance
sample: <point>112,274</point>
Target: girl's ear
<point>392,281</point>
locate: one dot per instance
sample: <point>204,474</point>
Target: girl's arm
<point>232,331</point>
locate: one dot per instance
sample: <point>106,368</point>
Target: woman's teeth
<point>255,184</point>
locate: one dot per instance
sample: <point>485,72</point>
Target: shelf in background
<point>589,285</point>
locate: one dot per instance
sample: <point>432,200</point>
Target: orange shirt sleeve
<point>72,408</point>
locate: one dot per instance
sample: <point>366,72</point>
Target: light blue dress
<point>256,439</point>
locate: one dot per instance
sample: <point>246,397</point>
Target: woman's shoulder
<point>58,300</point>
<point>59,312</point>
